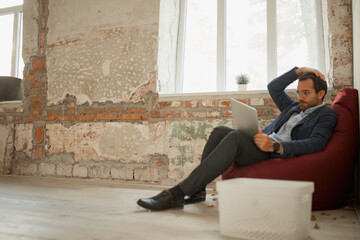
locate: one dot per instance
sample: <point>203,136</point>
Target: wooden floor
<point>50,208</point>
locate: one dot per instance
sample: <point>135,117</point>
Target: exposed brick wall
<point>176,129</point>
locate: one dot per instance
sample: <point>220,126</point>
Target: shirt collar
<point>312,109</point>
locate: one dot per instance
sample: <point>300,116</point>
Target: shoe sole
<point>195,200</point>
<point>141,204</point>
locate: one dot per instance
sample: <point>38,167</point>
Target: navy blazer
<point>312,133</point>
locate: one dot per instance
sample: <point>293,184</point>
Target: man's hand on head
<point>264,142</point>
<point>303,70</point>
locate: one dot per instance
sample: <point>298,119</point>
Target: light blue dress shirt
<point>284,133</point>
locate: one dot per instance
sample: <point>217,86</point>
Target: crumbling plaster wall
<point>91,109</point>
<point>100,50</point>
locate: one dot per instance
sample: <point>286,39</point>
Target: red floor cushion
<point>332,170</point>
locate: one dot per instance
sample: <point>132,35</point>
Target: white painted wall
<point>356,41</point>
<point>356,55</point>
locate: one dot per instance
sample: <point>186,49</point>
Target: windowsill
<point>220,95</point>
<point>10,104</point>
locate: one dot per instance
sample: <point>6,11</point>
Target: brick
<point>224,103</point>
<point>70,112</point>
<point>199,114</point>
<point>37,105</point>
<point>257,101</point>
<point>184,114</point>
<point>164,104</point>
<point>47,169</point>
<point>38,152</point>
<point>99,172</point>
<point>31,78</point>
<point>36,112</point>
<point>93,111</point>
<point>276,111</point>
<point>70,104</point>
<point>177,104</point>
<point>37,85</point>
<point>28,169</point>
<point>42,92</point>
<point>191,104</point>
<point>227,113</point>
<point>270,102</point>
<point>39,134</point>
<point>263,112</point>
<point>64,170</point>
<point>159,162</point>
<point>168,114</point>
<point>16,169</point>
<point>32,119</point>
<point>41,70</point>
<point>41,105</point>
<point>50,118</point>
<point>243,100</point>
<point>213,114</point>
<point>122,173</point>
<point>80,171</point>
<point>37,99</point>
<point>208,103</point>
<point>148,174</point>
<point>106,117</point>
<point>51,112</point>
<point>127,116</point>
<point>155,114</point>
<point>85,117</point>
<point>38,63</point>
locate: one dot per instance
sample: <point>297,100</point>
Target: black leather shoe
<point>162,201</point>
<point>196,197</point>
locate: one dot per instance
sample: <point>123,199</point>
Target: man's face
<point>307,96</point>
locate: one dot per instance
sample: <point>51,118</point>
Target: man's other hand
<point>303,70</point>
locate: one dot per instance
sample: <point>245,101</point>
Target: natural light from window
<point>6,44</point>
<point>251,46</point>
<point>11,63</point>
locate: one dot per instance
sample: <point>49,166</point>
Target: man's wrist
<point>298,71</point>
<point>277,147</point>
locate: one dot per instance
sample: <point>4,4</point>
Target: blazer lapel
<point>310,116</point>
<point>286,117</point>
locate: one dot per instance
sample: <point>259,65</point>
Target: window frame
<point>16,38</point>
<point>221,43</point>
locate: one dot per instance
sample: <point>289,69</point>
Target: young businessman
<point>304,126</point>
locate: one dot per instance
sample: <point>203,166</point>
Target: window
<point>220,39</point>
<point>11,63</point>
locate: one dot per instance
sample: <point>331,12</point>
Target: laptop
<point>245,118</point>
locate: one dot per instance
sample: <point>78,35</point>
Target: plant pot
<point>242,87</point>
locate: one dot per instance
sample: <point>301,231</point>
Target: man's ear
<point>321,94</point>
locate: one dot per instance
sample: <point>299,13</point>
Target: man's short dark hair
<point>319,84</point>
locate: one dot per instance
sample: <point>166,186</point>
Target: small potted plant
<point>242,80</point>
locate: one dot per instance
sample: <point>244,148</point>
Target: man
<point>303,127</point>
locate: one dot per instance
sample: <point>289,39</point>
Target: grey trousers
<point>224,146</point>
